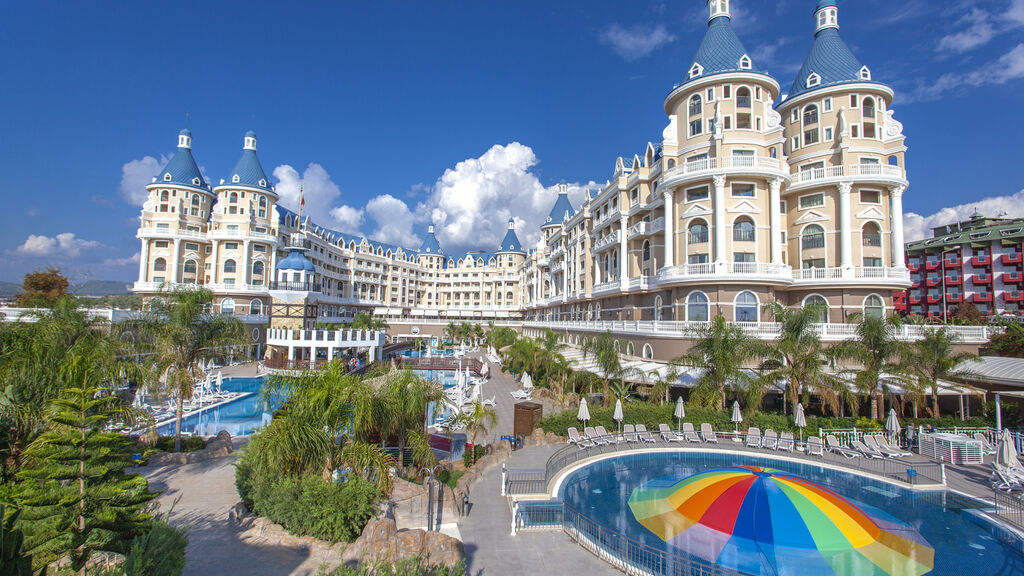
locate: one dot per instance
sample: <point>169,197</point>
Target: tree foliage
<point>42,289</point>
<point>1009,343</point>
<point>933,359</point>
<point>720,352</point>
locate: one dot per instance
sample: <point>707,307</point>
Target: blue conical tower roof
<point>561,207</point>
<point>721,52</point>
<point>182,168</point>
<point>511,242</point>
<point>248,171</point>
<point>430,243</point>
<point>830,58</point>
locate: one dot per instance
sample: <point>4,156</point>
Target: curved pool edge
<point>555,484</point>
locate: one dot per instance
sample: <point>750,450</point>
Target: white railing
<point>643,228</point>
<point>222,287</point>
<point>153,232</point>
<point>727,163</point>
<point>281,336</point>
<point>759,330</point>
<point>606,286</point>
<point>558,266</point>
<point>608,240</point>
<point>640,283</point>
<point>753,269</point>
<point>853,170</point>
<point>859,273</point>
<point>112,315</point>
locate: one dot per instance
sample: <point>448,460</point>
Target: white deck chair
<point>490,402</point>
<point>1004,480</point>
<point>574,435</point>
<point>593,436</point>
<point>575,438</point>
<point>884,446</point>
<point>832,444</point>
<point>644,434</point>
<point>629,433</point>
<point>754,437</point>
<point>770,440</point>
<point>608,438</point>
<point>668,434</point>
<point>708,433</point>
<point>865,450</point>
<point>815,447</point>
<point>986,446</point>
<point>786,442</point>
<point>872,444</point>
<point>689,433</point>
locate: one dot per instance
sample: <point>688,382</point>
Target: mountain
<point>99,288</point>
<point>8,289</point>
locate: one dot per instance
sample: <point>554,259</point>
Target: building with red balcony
<point>982,258</point>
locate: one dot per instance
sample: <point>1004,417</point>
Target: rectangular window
<point>814,263</point>
<point>757,123</point>
<point>229,281</point>
<point>757,93</point>
<point>747,257</point>
<point>711,125</point>
<point>854,131</point>
<point>811,136</point>
<point>853,101</point>
<point>158,279</point>
<point>796,143</point>
<point>827,105</point>
<point>695,127</point>
<point>783,204</point>
<point>191,246</point>
<point>695,194</point>
<point>727,91</point>
<point>727,123</point>
<point>232,227</point>
<point>209,249</point>
<point>869,130</point>
<point>160,244</point>
<point>742,190</point>
<point>812,201</point>
<point>828,134</point>
<point>162,226</point>
<point>784,238</point>
<point>259,248</point>
<point>231,245</point>
<point>870,197</point>
<point>697,259</point>
<point>711,95</point>
<point>796,115</point>
<point>872,262</point>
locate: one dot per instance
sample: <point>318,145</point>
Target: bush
<point>450,477</point>
<point>468,456</point>
<point>407,567</point>
<point>188,443</point>
<point>160,552</point>
<point>309,506</point>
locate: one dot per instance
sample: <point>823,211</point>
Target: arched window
<point>746,307</point>
<point>648,352</point>
<point>743,97</point>
<point>812,237</point>
<point>695,105</point>
<point>509,297</point>
<point>229,266</point>
<point>810,121</point>
<point>189,267</point>
<point>164,196</point>
<point>263,201</point>
<point>868,107</point>
<point>871,235</point>
<point>811,115</point>
<point>255,307</point>
<point>821,304</point>
<point>647,251</point>
<point>630,351</point>
<point>657,308</point>
<point>227,306</point>
<point>160,265</point>
<point>257,269</point>
<point>697,307</point>
<point>743,230</point>
<point>233,197</point>
<point>195,205</point>
<point>874,307</point>
<point>698,232</point>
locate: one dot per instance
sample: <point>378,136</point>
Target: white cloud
<point>65,245</point>
<point>636,41</point>
<point>1009,66</point>
<point>347,219</point>
<point>320,192</point>
<point>394,221</point>
<point>471,203</point>
<point>127,262</point>
<point>979,31</point>
<point>917,227</point>
<point>138,174</point>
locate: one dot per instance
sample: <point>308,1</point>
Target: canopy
<point>799,419</point>
<point>763,521</point>
<point>617,415</point>
<point>737,417</point>
<point>584,412</point>
<point>1007,453</point>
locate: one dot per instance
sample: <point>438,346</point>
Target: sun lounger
<point>865,450</point>
<point>689,433</point>
<point>833,446</point>
<point>594,437</point>
<point>668,434</point>
<point>489,402</point>
<point>886,448</point>
<point>629,433</point>
<point>814,447</point>
<point>1004,479</point>
<point>644,434</point>
<point>708,434</point>
<point>609,438</point>
<point>872,444</point>
<point>770,440</point>
<point>575,438</point>
<point>786,442</point>
<point>986,446</point>
<point>574,435</point>
<point>754,437</point>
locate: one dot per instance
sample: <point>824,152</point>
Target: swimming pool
<point>963,541</point>
<point>246,415</point>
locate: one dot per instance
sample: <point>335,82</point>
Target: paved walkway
<point>200,496</point>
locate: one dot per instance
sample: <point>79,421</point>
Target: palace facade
<point>752,195</point>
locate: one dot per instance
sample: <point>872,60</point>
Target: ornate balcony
<point>707,167</point>
<point>725,271</point>
<point>858,275</point>
<point>875,173</point>
<point>644,228</point>
<point>607,240</point>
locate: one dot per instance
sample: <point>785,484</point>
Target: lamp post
<point>429,478</point>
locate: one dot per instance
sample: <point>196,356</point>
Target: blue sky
<point>394,114</point>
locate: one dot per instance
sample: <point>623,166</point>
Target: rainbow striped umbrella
<point>764,521</point>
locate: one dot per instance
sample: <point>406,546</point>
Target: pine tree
<point>75,495</point>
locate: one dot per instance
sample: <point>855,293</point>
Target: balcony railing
<point>608,240</point>
<point>725,163</point>
<point>295,286</point>
<point>871,240</point>
<point>853,170</point>
<point>860,272</point>
<point>810,241</point>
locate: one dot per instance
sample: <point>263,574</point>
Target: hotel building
<point>752,195</point>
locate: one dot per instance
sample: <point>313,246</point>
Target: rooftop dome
<point>430,243</point>
<point>182,168</point>
<point>248,171</point>
<point>296,260</point>
<point>561,208</point>
<point>720,51</point>
<point>511,242</point>
<point>830,61</point>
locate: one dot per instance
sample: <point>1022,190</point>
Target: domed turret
<point>430,243</point>
<point>182,169</point>
<point>830,61</point>
<point>562,209</point>
<point>248,171</point>
<point>721,50</point>
<point>511,242</point>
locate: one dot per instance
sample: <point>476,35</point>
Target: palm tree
<point>479,419</point>
<point>877,352</point>
<point>661,384</point>
<point>450,331</point>
<point>183,335</point>
<point>798,358</point>
<point>602,348</point>
<point>478,334</point>
<point>934,358</point>
<point>364,321</point>
<point>404,398</point>
<point>720,353</point>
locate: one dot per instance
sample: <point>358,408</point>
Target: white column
<point>175,264</point>
<point>291,352</point>
<point>245,262</point>
<point>597,270</point>
<point>845,238</point>
<point>312,357</point>
<point>213,262</point>
<point>896,217</point>
<point>271,274</point>
<point>775,219</point>
<point>144,260</point>
<point>719,208</point>
<point>670,234</point>
<point>623,254</point>
<point>565,276</point>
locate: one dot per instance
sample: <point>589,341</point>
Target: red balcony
<point>954,280</point>
<point>1013,277</point>
<point>914,299</point>
<point>934,298</point>
<point>978,280</point>
<point>954,298</point>
<point>981,260</point>
<point>913,266</point>
<point>982,297</point>
<point>1013,296</point>
<point>954,262</point>
<point>931,264</point>
<point>932,282</point>
<point>1014,258</point>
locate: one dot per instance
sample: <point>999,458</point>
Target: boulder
<point>381,540</point>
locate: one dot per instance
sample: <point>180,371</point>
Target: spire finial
<point>718,8</point>
<point>826,15</point>
<point>302,202</point>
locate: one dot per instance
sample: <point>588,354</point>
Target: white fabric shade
<point>617,416</point>
<point>1007,454</point>
<point>892,423</point>
<point>584,412</point>
<point>799,419</point>
<point>737,417</point>
<point>680,409</point>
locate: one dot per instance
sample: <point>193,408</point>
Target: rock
<point>238,513</point>
<point>381,540</point>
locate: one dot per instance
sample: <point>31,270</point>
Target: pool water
<point>964,542</point>
<point>240,417</point>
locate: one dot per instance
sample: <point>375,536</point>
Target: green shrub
<point>188,444</point>
<point>450,477</point>
<point>407,567</point>
<point>160,552</point>
<point>467,456</point>
<point>243,480</point>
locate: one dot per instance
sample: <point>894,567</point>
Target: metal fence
<point>1010,507</point>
